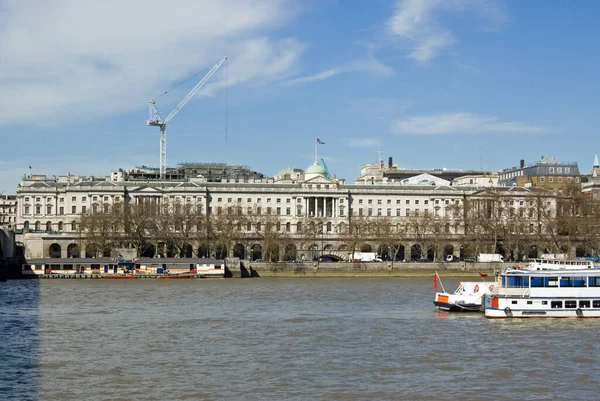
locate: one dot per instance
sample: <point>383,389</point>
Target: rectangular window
<point>38,210</point>
<point>571,304</point>
<point>278,200</point>
<point>278,211</point>
<point>268,200</point>
<point>556,304</point>
<point>426,202</point>
<point>83,209</point>
<point>249,200</point>
<point>379,212</point>
<point>258,200</point>
<point>219,200</point>
<point>228,200</point>
<point>73,209</point>
<point>416,202</point>
<point>370,201</point>
<point>379,201</point>
<point>596,303</point>
<point>26,210</point>
<point>408,201</point>
<point>559,179</point>
<point>550,179</point>
<point>360,201</point>
<point>389,212</point>
<point>389,201</point>
<point>84,199</point>
<point>74,199</point>
<point>397,212</point>
<point>584,304</point>
<point>407,212</point>
<point>61,210</point>
<point>542,179</point>
<point>370,212</point>
<point>288,211</point>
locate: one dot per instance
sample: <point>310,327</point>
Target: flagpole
<point>316,147</point>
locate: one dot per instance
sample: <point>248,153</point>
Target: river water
<point>279,339</point>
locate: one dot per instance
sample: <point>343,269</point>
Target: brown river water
<point>279,339</point>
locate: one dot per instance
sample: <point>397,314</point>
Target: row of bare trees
<point>490,222</point>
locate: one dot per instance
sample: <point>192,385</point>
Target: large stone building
<point>302,215</point>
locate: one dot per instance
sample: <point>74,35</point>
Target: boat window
<point>556,304</point>
<point>596,303</point>
<point>550,281</point>
<point>584,304</point>
<point>572,281</point>
<point>529,302</point>
<point>544,302</point>
<point>514,302</point>
<point>594,281</point>
<point>516,281</point>
<point>571,304</point>
<point>537,281</point>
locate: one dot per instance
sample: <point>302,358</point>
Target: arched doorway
<point>73,251</point>
<point>448,250</point>
<point>221,251</point>
<point>272,253</point>
<point>147,250</point>
<point>203,251</point>
<point>290,252</point>
<point>255,252</point>
<point>54,250</point>
<point>415,253</point>
<point>91,251</point>
<point>239,251</point>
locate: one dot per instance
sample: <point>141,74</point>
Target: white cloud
<point>460,123</point>
<point>69,59</point>
<point>363,143</point>
<point>312,78</point>
<point>368,65</point>
<point>416,22</point>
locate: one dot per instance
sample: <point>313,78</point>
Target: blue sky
<point>432,83</point>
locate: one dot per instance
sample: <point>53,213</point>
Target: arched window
<point>74,226</point>
<point>38,226</point>
<point>329,227</point>
<point>48,226</point>
<point>60,226</point>
<point>288,227</point>
<point>299,227</point>
<point>26,226</point>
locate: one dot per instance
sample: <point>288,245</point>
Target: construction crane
<point>156,121</point>
<point>326,169</point>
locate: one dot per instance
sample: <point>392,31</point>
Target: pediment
<point>146,190</point>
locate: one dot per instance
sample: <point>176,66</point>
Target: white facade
<point>49,209</point>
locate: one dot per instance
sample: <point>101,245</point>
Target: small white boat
<point>546,288</point>
<point>468,297</point>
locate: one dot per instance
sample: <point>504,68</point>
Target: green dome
<point>316,169</point>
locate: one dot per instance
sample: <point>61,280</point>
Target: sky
<point>456,84</point>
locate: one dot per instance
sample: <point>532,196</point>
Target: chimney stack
<point>522,164</point>
<point>390,162</point>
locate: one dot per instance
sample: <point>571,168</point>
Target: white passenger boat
<point>468,296</point>
<point>546,288</point>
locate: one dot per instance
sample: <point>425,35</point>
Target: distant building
<point>591,185</point>
<point>545,173</point>
<point>390,172</point>
<point>8,210</point>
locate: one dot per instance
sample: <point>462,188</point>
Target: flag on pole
<point>484,275</point>
<point>435,280</point>
<point>320,142</point>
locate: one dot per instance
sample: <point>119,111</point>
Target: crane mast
<point>155,119</point>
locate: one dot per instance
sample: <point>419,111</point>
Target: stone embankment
<point>374,269</point>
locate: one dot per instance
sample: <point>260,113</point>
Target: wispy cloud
<point>63,59</point>
<point>313,78</point>
<point>460,123</point>
<point>417,22</point>
<point>368,65</point>
<point>363,143</point>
